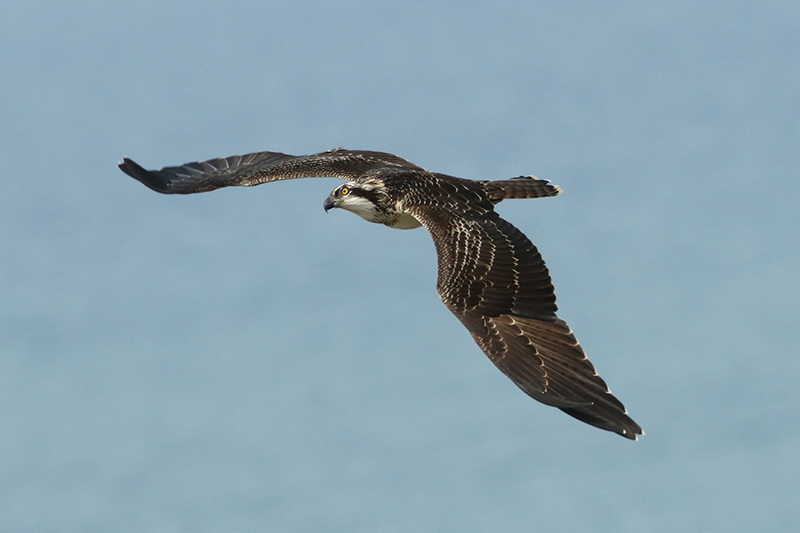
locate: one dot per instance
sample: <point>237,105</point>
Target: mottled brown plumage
<point>490,275</point>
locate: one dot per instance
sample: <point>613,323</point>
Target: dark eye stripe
<point>369,194</point>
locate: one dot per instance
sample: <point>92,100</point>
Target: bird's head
<point>362,199</point>
<point>370,202</point>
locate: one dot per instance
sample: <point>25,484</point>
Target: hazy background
<point>242,361</point>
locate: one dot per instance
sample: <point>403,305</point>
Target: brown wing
<point>261,167</point>
<point>494,280</point>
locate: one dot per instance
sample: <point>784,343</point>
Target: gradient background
<point>241,361</point>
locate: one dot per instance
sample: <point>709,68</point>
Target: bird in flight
<point>490,275</point>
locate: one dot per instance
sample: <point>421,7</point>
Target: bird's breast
<point>404,221</point>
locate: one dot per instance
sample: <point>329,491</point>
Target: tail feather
<point>520,187</point>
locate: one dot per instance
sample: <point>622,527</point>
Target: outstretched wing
<point>262,167</point>
<point>494,280</point>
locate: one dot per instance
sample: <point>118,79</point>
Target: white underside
<point>366,210</point>
<point>405,221</point>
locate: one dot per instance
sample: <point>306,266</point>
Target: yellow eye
<point>345,191</point>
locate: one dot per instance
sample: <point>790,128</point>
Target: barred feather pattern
<point>495,281</point>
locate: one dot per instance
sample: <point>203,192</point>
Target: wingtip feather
<point>146,177</point>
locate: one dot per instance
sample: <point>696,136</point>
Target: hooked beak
<point>329,204</point>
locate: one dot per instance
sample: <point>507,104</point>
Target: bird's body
<point>490,275</point>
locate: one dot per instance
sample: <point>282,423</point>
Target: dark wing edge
<point>545,360</point>
<point>261,167</point>
<point>202,176</point>
<point>495,281</point>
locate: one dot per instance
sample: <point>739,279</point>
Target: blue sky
<point>242,360</point>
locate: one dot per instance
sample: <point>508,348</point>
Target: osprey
<point>490,275</point>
